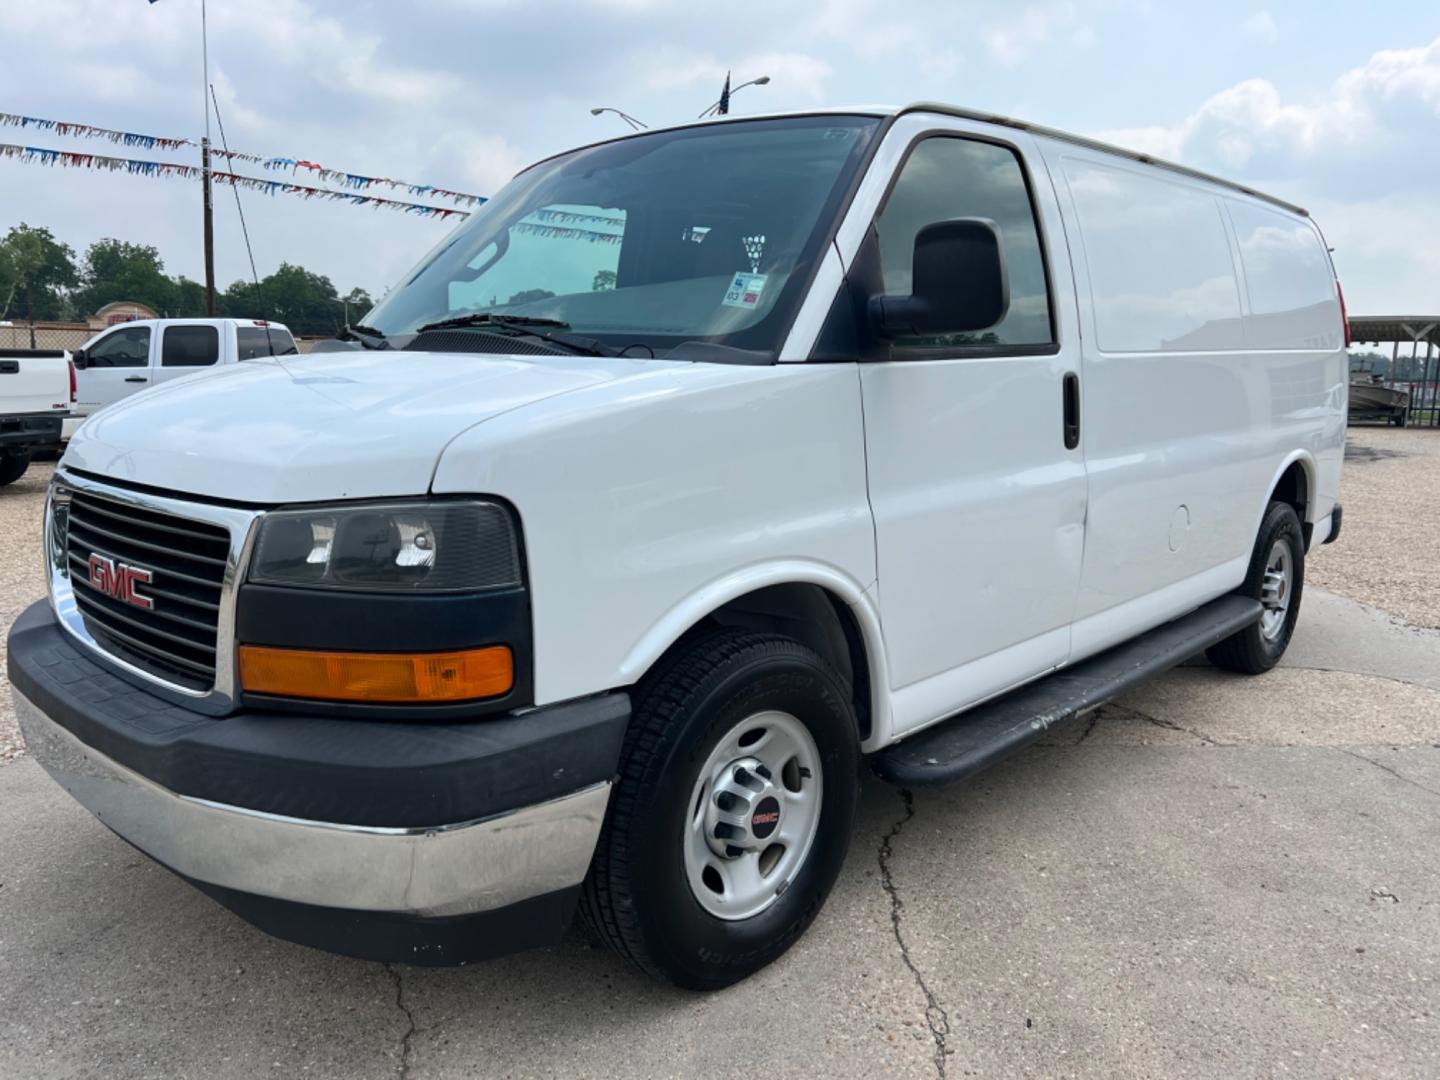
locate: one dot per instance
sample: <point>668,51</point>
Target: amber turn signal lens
<point>392,678</point>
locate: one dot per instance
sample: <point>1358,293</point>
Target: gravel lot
<point>1387,555</point>
<point>22,582</point>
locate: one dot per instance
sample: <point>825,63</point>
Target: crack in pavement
<point>1168,725</point>
<point>1090,728</point>
<point>405,1040</point>
<point>1386,768</point>
<point>936,1018</point>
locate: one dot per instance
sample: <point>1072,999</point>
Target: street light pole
<point>635,125</point>
<point>209,215</point>
<point>722,107</point>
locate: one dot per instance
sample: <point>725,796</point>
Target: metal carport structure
<point>1418,374</point>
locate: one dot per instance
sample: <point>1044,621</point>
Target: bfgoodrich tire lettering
<point>1280,546</point>
<point>637,896</point>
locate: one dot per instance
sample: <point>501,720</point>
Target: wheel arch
<point>822,608</point>
<point>1294,482</point>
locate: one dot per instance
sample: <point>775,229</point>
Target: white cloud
<point>1012,40</point>
<point>1261,27</point>
<point>1390,102</point>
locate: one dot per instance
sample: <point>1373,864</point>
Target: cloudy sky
<point>1335,105</point>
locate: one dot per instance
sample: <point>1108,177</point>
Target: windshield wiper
<point>525,326</point>
<point>367,336</point>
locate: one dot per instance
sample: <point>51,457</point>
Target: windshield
<point>701,234</point>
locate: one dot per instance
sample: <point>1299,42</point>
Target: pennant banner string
<point>549,223</point>
<point>357,181</point>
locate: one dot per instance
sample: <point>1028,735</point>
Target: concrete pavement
<point>1214,875</point>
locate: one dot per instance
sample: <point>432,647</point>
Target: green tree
<point>188,299</point>
<point>35,272</point>
<point>603,282</point>
<point>119,270</point>
<point>306,302</point>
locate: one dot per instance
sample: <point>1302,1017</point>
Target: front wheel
<point>1276,578</point>
<point>732,813</point>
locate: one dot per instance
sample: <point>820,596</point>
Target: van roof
<point>983,117</point>
<point>1097,144</point>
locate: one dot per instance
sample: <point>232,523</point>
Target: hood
<point>340,425</point>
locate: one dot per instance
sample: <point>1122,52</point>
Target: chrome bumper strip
<point>457,869</point>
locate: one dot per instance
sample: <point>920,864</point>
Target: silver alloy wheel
<point>1275,590</point>
<point>754,813</point>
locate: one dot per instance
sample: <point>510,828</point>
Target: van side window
<point>1162,277</point>
<point>253,341</point>
<point>1288,278</point>
<point>189,346</point>
<point>129,347</point>
<point>947,177</point>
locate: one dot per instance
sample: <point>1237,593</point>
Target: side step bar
<point>958,748</point>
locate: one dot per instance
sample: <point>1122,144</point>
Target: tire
<point>641,896</point>
<point>1402,418</point>
<point>1259,647</point>
<point>12,467</point>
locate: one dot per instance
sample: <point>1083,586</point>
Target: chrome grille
<point>177,636</point>
<point>148,581</point>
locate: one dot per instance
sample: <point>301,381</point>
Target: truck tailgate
<point>33,382</point>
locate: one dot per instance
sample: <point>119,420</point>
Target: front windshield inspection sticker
<point>745,290</point>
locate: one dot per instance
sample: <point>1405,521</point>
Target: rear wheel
<point>733,811</point>
<point>1277,579</point>
<point>13,466</point>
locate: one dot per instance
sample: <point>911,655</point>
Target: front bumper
<point>428,843</point>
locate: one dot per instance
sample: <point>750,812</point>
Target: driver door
<point>117,365</point>
<point>979,501</point>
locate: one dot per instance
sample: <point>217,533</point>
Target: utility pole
<point>209,225</point>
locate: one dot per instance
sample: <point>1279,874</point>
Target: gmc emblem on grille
<point>118,581</point>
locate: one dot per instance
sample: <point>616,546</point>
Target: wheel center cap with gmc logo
<point>766,817</point>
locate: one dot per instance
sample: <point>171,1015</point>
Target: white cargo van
<point>132,356</point>
<point>697,468</point>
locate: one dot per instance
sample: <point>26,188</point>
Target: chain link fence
<point>44,335</point>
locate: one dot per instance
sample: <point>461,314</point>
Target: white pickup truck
<point>129,357</point>
<point>37,392</point>
<point>698,467</point>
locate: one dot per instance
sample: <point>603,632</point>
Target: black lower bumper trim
<point>405,939</point>
<point>396,774</point>
<point>1336,516</point>
<point>31,430</point>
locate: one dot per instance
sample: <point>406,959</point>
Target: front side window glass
<point>127,348</point>
<point>947,178</point>
<point>696,234</point>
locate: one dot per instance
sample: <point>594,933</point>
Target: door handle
<point>1071,408</point>
<point>136,378</point>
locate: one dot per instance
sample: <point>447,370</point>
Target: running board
<point>958,748</point>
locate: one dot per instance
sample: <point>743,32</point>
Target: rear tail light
<point>72,381</point>
<point>1344,316</point>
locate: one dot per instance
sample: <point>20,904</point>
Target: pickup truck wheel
<point>1277,579</point>
<point>12,467</point>
<point>732,813</point>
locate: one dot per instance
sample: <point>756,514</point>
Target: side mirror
<point>79,359</point>
<point>958,282</point>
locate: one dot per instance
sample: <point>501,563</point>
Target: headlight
<point>451,546</point>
